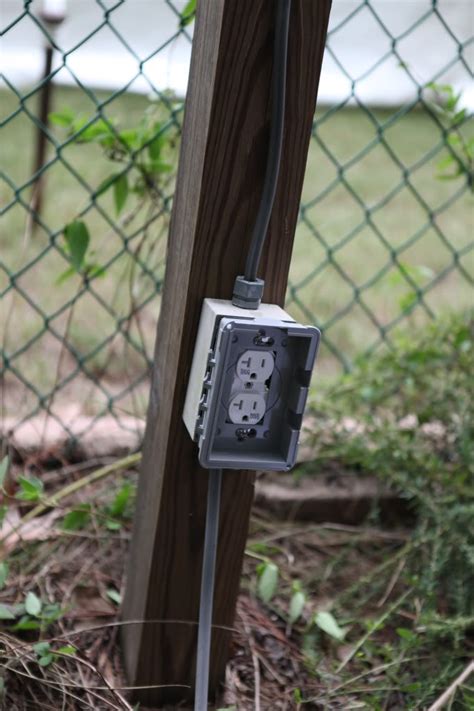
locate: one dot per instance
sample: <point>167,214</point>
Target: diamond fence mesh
<point>86,187</point>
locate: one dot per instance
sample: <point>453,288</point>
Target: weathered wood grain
<point>222,162</point>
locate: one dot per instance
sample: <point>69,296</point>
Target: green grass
<point>95,318</point>
<point>358,262</point>
<point>354,289</point>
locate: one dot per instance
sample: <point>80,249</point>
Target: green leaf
<point>297,603</point>
<point>268,581</point>
<point>65,275</point>
<point>110,141</point>
<point>94,271</point>
<point>3,470</point>
<point>459,117</point>
<point>188,13</point>
<point>452,100</point>
<point>42,648</point>
<point>33,604</point>
<point>419,273</point>
<point>405,633</point>
<point>26,623</point>
<point>75,127</point>
<point>3,574</point>
<point>158,166</point>
<point>408,301</point>
<point>119,504</point>
<point>31,488</point>
<point>6,612</point>
<point>95,132</point>
<point>52,612</point>
<point>46,660</point>
<point>67,649</point>
<point>327,623</point>
<point>112,525</point>
<point>106,184</point>
<point>114,596</point>
<point>130,138</point>
<point>76,519</point>
<point>77,239</point>
<point>65,117</point>
<point>453,140</point>
<point>445,162</point>
<point>156,145</point>
<point>450,176</point>
<point>120,192</point>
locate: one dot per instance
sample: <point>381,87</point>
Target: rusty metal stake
<point>52,14</point>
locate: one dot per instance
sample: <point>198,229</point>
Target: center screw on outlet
<point>261,339</point>
<point>245,433</point>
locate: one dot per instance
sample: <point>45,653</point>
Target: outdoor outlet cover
<point>248,386</point>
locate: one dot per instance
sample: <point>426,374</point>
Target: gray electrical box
<point>248,386</point>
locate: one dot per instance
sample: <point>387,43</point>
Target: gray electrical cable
<point>207,589</point>
<point>280,52</point>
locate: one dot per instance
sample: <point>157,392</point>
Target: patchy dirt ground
<point>60,592</point>
<point>83,571</point>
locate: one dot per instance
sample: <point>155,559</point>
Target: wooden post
<point>220,177</point>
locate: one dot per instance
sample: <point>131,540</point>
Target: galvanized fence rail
<point>383,238</point>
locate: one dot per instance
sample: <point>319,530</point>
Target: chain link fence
<point>86,186</point>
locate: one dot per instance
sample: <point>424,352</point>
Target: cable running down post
<point>207,589</point>
<point>248,289</point>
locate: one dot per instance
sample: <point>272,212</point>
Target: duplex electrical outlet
<point>248,386</point>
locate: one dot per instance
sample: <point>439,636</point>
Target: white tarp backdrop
<point>136,29</point>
